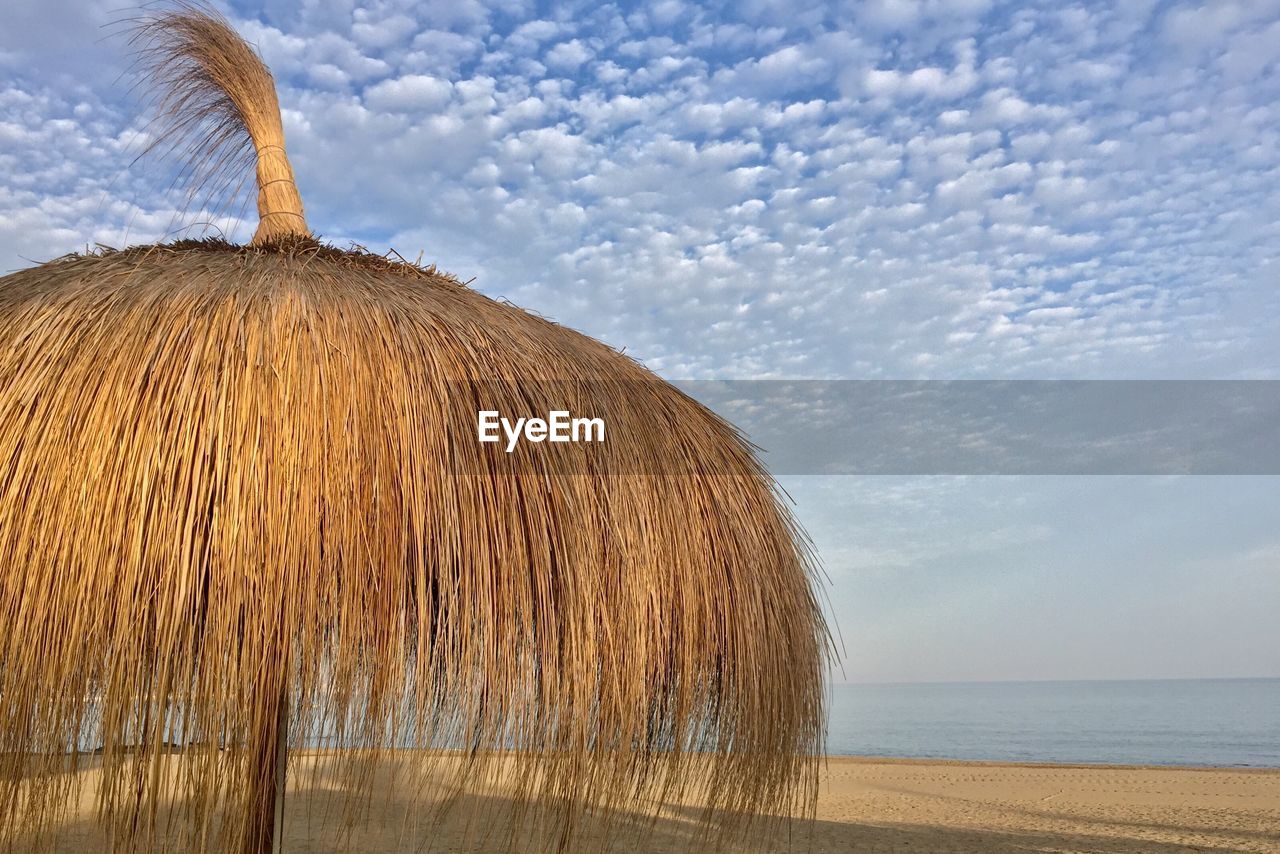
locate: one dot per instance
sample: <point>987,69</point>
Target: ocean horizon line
<point>1053,681</point>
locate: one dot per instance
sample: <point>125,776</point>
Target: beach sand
<point>946,807</point>
<point>868,806</point>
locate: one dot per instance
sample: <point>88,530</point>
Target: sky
<point>894,189</point>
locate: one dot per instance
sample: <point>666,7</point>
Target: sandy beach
<point>870,805</point>
<point>865,805</point>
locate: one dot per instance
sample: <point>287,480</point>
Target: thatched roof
<point>236,477</point>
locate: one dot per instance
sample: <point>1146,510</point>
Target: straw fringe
<point>228,475</point>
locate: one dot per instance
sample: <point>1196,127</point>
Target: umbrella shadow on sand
<point>323,814</point>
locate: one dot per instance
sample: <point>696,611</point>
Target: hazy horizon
<point>1062,681</point>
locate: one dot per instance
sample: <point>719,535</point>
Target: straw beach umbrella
<point>244,510</point>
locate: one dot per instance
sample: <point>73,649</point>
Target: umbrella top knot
<point>216,108</point>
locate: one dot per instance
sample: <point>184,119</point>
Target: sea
<point>1219,722</point>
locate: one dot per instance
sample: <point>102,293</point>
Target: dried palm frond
<point>240,498</point>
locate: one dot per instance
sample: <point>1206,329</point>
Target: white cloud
<point>929,81</point>
<point>381,33</point>
<point>527,37</point>
<point>1205,25</point>
<point>567,56</point>
<point>413,92</point>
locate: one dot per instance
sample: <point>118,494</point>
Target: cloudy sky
<point>943,189</point>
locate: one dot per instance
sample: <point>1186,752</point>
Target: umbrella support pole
<point>282,761</point>
<point>264,830</point>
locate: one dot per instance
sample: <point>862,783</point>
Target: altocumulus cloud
<point>894,188</point>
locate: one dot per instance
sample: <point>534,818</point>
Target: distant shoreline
<point>1044,764</point>
<point>828,758</point>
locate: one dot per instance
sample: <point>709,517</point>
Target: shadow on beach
<point>320,816</point>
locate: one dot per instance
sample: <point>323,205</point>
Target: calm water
<point>1183,722</point>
